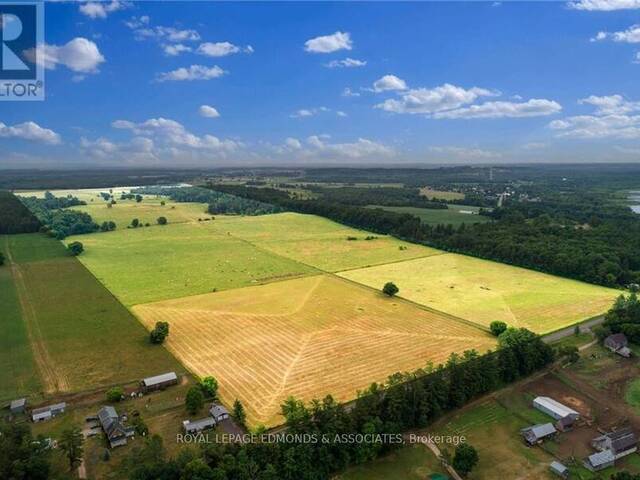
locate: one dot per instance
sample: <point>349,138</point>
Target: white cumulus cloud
<point>604,5</point>
<point>175,49</point>
<point>433,100</point>
<point>630,35</point>
<point>221,49</point>
<point>102,9</point>
<point>30,131</point>
<point>389,82</point>
<point>208,111</point>
<point>464,153</point>
<point>329,43</point>
<point>194,72</point>
<point>78,55</point>
<point>532,108</point>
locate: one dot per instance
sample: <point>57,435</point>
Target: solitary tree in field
<point>162,203</point>
<point>70,443</point>
<point>194,400</point>
<point>390,289</point>
<point>159,333</point>
<point>238,412</point>
<point>76,248</point>
<point>162,220</point>
<point>138,198</point>
<point>497,327</point>
<point>135,222</point>
<point>465,458</point>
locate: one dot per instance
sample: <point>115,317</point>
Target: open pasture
<point>157,263</point>
<point>482,291</point>
<point>441,194</point>
<point>65,328</point>
<point>86,194</point>
<point>147,211</point>
<point>306,337</point>
<point>319,242</point>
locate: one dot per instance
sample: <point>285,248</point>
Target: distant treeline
<point>219,202</point>
<point>577,237</point>
<point>14,216</point>
<point>59,223</point>
<point>385,196</point>
<point>328,437</point>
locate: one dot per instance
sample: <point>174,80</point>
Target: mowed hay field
<point>319,242</point>
<point>483,291</point>
<point>160,262</point>
<point>77,334</point>
<point>306,337</point>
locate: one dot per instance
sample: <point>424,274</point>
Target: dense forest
<point>576,236</point>
<point>57,222</point>
<point>624,317</point>
<point>385,196</point>
<point>324,437</point>
<point>219,202</point>
<point>15,217</point>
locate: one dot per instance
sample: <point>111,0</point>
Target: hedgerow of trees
<point>56,220</point>
<point>15,217</point>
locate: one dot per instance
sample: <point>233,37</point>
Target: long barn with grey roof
<point>159,382</point>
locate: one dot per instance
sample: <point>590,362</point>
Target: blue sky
<point>211,84</point>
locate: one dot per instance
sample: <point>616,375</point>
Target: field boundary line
<point>411,302</point>
<point>392,262</point>
<point>52,380</point>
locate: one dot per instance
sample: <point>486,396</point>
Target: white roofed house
<point>622,442</point>
<point>18,406</point>
<point>619,344</point>
<point>537,433</point>
<point>197,426</point>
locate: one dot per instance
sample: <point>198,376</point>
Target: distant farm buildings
<point>159,382</point>
<point>618,343</point>
<point>555,409</point>
<point>611,447</point>
<point>117,434</point>
<point>559,469</point>
<point>47,413</point>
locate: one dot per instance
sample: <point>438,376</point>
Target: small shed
<point>599,461</point>
<point>555,409</point>
<point>46,413</point>
<point>18,406</point>
<point>218,412</point>
<point>559,469</point>
<point>536,433</point>
<point>619,344</point>
<point>159,382</point>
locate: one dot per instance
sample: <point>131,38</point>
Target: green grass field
<point>632,395</point>
<point>146,211</point>
<point>454,215</point>
<point>482,291</point>
<point>318,242</point>
<point>80,335</point>
<point>410,463</point>
<point>16,359</point>
<point>441,194</point>
<point>157,263</point>
<point>86,194</point>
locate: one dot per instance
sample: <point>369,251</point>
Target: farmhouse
<point>620,443</point>
<point>536,433</point>
<point>116,433</point>
<point>618,343</point>
<point>198,425</point>
<point>218,412</point>
<point>17,406</point>
<point>599,461</point>
<point>559,469</point>
<point>554,409</point>
<point>159,382</point>
<point>46,413</point>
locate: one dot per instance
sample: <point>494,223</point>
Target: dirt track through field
<point>52,379</point>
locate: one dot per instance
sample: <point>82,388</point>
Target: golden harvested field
<point>482,291</point>
<point>441,194</point>
<point>306,337</point>
<point>319,242</point>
